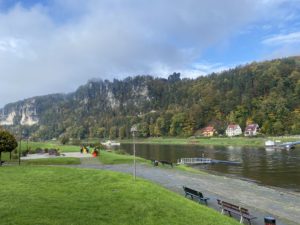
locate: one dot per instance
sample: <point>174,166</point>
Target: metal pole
<point>134,162</point>
<point>20,148</point>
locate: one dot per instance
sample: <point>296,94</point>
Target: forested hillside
<point>266,93</point>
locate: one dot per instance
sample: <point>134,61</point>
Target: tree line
<point>266,93</point>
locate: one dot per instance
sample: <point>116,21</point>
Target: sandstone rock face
<point>23,113</point>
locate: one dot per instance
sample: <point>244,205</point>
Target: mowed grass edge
<point>107,157</point>
<point>52,195</point>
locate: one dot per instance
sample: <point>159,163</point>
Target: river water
<point>279,168</point>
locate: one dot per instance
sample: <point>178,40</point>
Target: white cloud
<point>56,47</point>
<point>283,39</point>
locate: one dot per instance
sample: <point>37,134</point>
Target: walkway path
<point>64,155</point>
<point>261,201</point>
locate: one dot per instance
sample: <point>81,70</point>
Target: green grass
<point>48,161</point>
<point>186,168</point>
<point>213,141</point>
<point>114,158</point>
<point>63,148</point>
<point>52,161</point>
<point>54,196</point>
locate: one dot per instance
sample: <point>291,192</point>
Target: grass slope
<point>49,144</point>
<point>52,196</point>
<point>114,158</point>
<point>52,161</point>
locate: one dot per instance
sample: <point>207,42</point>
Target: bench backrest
<point>231,206</point>
<point>192,191</point>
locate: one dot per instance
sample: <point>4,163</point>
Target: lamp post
<point>20,146</point>
<point>133,130</point>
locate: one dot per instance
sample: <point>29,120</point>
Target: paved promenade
<point>261,201</point>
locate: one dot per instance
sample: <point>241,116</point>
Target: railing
<point>194,161</point>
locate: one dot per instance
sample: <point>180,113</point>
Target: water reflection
<point>279,168</point>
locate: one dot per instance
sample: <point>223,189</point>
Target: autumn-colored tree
<point>7,142</point>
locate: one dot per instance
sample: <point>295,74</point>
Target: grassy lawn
<point>49,161</point>
<point>51,196</point>
<point>49,145</point>
<point>186,168</point>
<point>52,161</point>
<point>215,141</point>
<point>114,158</point>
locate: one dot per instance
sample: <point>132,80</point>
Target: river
<point>278,168</point>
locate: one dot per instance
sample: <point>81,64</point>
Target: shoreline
<point>232,176</point>
<point>258,142</point>
<point>261,200</point>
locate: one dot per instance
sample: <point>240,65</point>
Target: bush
<point>38,151</point>
<point>24,153</point>
<point>64,139</point>
<point>31,151</point>
<point>76,142</point>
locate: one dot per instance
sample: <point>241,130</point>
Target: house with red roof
<point>208,131</point>
<point>251,130</point>
<point>233,130</point>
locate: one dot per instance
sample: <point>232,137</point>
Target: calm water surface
<point>279,168</point>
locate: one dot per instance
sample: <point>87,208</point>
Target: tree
<point>178,121</point>
<point>143,129</point>
<point>101,132</point>
<point>113,132</point>
<point>64,139</point>
<point>122,132</point>
<point>7,142</point>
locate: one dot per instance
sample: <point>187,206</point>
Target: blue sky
<point>51,46</point>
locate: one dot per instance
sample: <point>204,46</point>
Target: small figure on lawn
<point>95,153</point>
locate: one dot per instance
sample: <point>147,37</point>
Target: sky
<point>54,46</point>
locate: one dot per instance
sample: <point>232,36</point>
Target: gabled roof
<point>208,129</point>
<point>251,127</point>
<point>233,126</point>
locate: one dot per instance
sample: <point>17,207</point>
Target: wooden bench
<point>195,194</point>
<point>243,213</point>
<point>163,162</point>
<point>154,162</point>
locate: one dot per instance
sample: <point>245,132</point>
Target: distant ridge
<point>266,93</point>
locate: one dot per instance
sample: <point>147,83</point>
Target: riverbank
<point>32,195</point>
<point>215,141</point>
<point>261,201</point>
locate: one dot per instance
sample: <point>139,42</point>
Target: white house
<point>251,130</point>
<point>233,130</point>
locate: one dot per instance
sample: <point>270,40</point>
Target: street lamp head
<point>133,128</point>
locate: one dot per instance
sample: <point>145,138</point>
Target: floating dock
<point>195,161</point>
<point>277,145</point>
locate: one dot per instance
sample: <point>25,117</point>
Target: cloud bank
<point>55,47</point>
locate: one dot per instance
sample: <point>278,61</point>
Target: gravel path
<point>261,201</point>
<point>63,155</point>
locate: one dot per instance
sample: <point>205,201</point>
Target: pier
<point>195,161</point>
<point>278,145</point>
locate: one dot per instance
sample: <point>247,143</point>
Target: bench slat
<point>194,193</point>
<point>240,211</point>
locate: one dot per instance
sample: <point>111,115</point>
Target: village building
<point>251,130</point>
<point>233,130</point>
<point>208,131</point>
